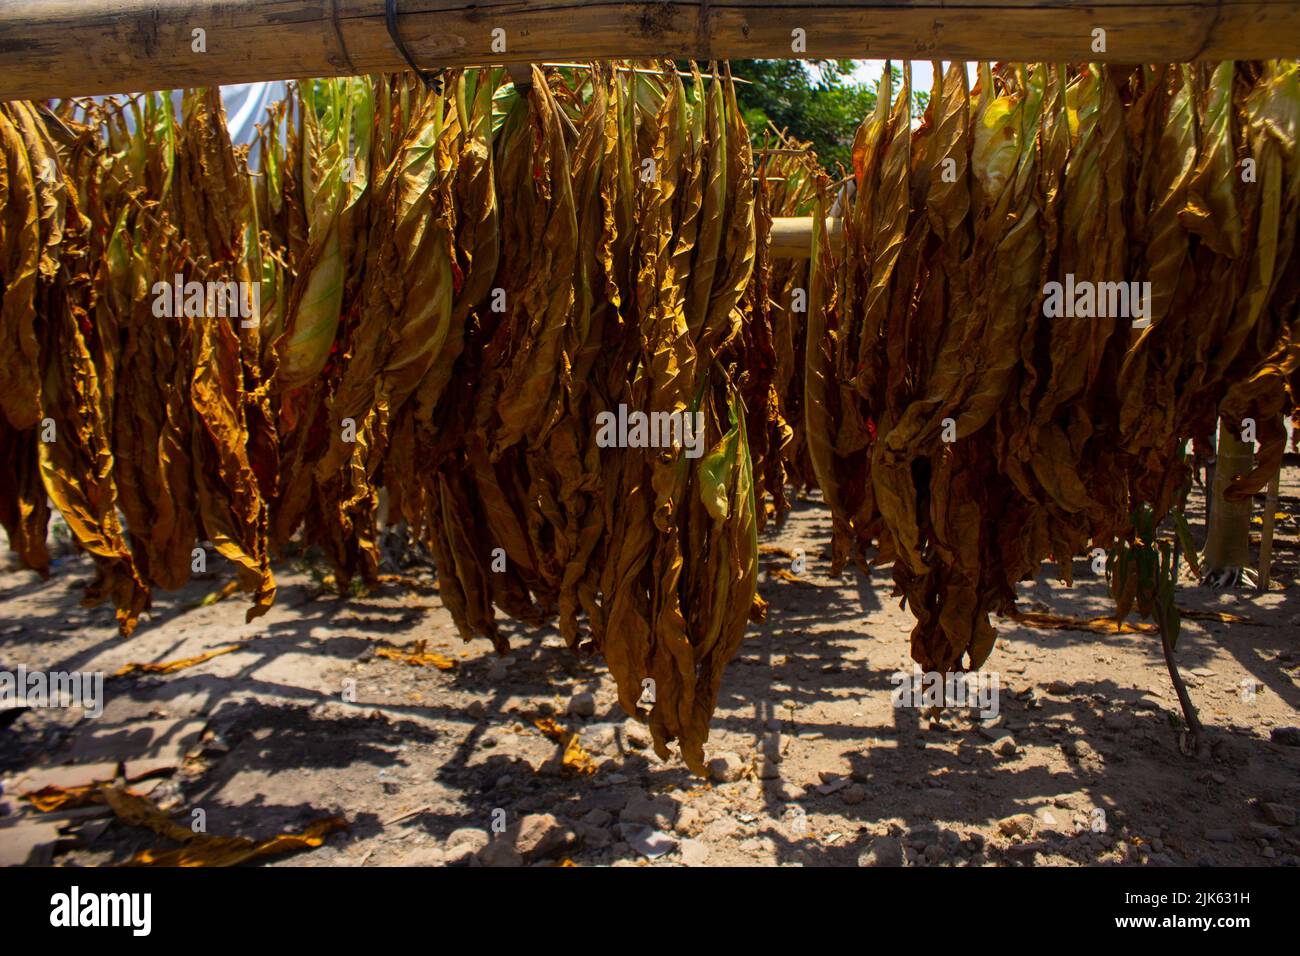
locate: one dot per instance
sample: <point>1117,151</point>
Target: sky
<point>869,71</point>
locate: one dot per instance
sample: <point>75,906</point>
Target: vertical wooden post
<point>1266,537</point>
<point>1227,544</point>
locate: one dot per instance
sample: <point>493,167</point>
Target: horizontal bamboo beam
<point>55,48</point>
<point>792,236</point>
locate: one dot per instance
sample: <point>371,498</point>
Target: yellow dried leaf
<point>169,667</point>
<point>49,799</point>
<point>417,657</point>
<point>575,757</point>
<point>201,849</point>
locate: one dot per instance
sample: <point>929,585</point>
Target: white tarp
<point>246,105</point>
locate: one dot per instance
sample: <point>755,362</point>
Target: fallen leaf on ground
<point>202,849</point>
<point>227,589</point>
<point>783,575</point>
<point>49,799</point>
<point>417,657</point>
<point>168,667</point>
<point>575,757</point>
<point>1103,624</point>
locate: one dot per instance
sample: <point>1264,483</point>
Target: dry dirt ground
<point>815,766</point>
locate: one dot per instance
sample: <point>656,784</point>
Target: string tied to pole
<point>432,79</point>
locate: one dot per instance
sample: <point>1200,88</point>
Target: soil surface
<point>813,764</point>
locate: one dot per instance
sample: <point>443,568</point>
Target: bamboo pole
<point>791,236</point>
<point>1266,536</point>
<point>1227,544</point>
<point>59,48</point>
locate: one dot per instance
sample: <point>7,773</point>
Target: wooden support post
<point>521,74</point>
<point>1266,536</point>
<point>58,48</point>
<point>1227,540</point>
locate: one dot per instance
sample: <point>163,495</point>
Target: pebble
<point>541,835</point>
<point>1263,831</point>
<point>854,794</point>
<point>1280,814</point>
<point>726,767</point>
<point>470,842</point>
<point>427,856</point>
<point>1028,849</point>
<point>694,853</point>
<point>1286,736</point>
<point>598,818</point>
<point>720,829</point>
<point>826,789</point>
<point>1021,824</point>
<point>650,843</point>
<point>600,738</point>
<point>994,733</point>
<point>500,852</point>
<point>1006,747</point>
<point>1220,836</point>
<point>636,736</point>
<point>882,851</point>
<point>594,837</point>
<point>922,835</point>
<point>657,812</point>
<point>583,704</point>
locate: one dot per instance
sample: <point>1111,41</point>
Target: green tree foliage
<point>812,101</point>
